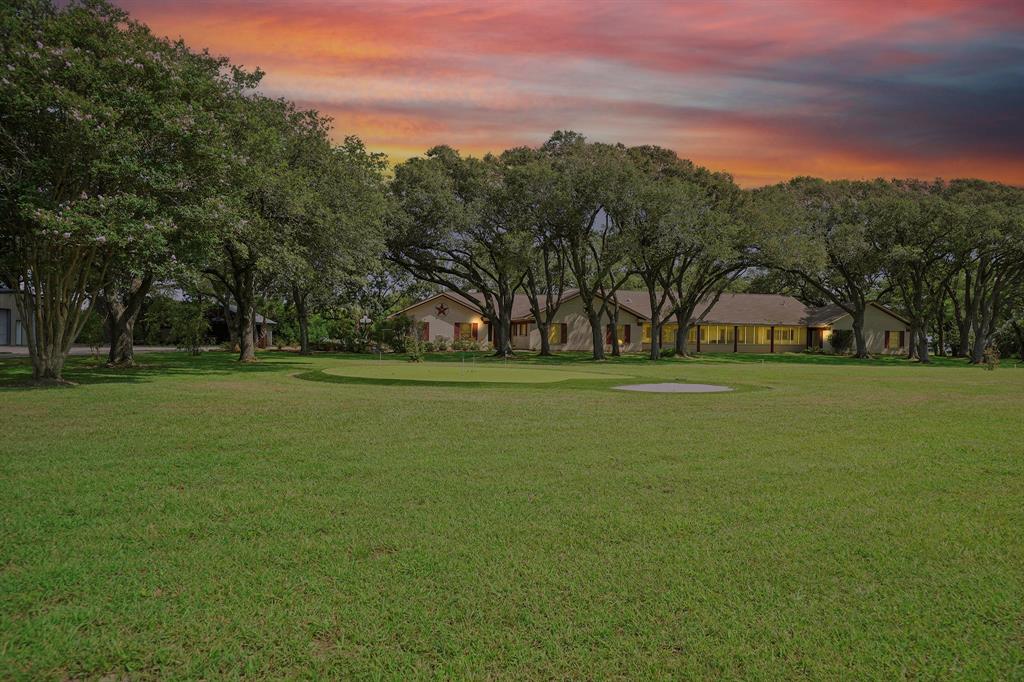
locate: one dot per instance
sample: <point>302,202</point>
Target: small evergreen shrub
<point>841,341</point>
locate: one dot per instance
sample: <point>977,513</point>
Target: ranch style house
<point>736,323</point>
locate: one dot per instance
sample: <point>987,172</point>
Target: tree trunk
<point>503,334</point>
<point>922,347</point>
<point>545,343</point>
<point>682,332</point>
<point>964,344</point>
<point>1019,331</point>
<point>652,296</point>
<point>302,310</point>
<point>912,346</point>
<point>613,320</point>
<point>978,350</point>
<point>121,317</point>
<point>246,285</point>
<point>48,365</point>
<point>940,349</point>
<point>231,319</point>
<point>858,335</point>
<point>122,342</point>
<point>54,304</point>
<point>596,333</point>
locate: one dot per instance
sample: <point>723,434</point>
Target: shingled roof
<point>730,308</point>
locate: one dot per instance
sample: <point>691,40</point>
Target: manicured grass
<point>487,372</point>
<point>197,518</point>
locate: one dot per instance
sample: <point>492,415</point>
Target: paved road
<point>8,351</point>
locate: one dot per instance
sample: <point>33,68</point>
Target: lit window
<point>791,335</point>
<point>555,333</point>
<point>894,339</point>
<point>716,333</point>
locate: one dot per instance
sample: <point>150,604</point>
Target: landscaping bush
<point>414,347</point>
<point>991,358</point>
<point>668,352</point>
<point>465,344</point>
<point>441,344</point>
<point>841,341</point>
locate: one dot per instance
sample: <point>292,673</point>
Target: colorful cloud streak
<point>766,90</point>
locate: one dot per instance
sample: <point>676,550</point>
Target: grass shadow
<point>597,384</point>
<point>641,359</point>
<point>16,373</point>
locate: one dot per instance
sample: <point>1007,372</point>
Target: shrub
<point>991,358</point>
<point>667,352</point>
<point>441,344</point>
<point>841,341</point>
<point>328,345</point>
<point>413,347</point>
<point>190,327</point>
<point>465,344</point>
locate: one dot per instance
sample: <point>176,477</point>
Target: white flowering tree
<point>105,132</point>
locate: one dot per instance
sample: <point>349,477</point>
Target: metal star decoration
<point>441,309</point>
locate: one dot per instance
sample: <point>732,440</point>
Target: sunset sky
<point>766,90</point>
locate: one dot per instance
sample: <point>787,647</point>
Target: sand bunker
<point>674,388</point>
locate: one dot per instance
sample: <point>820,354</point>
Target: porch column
<point>736,338</point>
<point>698,338</point>
<point>771,336</point>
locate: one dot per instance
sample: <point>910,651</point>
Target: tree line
<point>130,161</point>
<point>597,217</point>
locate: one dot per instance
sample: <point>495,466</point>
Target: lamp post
<point>366,321</point>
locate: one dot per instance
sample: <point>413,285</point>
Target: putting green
<point>462,373</point>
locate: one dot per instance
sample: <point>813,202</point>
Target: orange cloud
<point>764,90</point>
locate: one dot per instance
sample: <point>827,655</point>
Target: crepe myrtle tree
<point>819,231</point>
<point>91,123</point>
<point>187,154</point>
<point>453,226</point>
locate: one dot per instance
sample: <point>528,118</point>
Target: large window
<point>621,333</point>
<point>754,335</point>
<point>520,329</point>
<point>558,332</point>
<point>466,330</point>
<point>894,339</point>
<point>791,335</point>
<point>668,333</point>
<point>716,333</point>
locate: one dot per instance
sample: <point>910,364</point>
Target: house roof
<point>826,314</point>
<point>730,308</point>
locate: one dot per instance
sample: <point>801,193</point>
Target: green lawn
<point>828,519</point>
